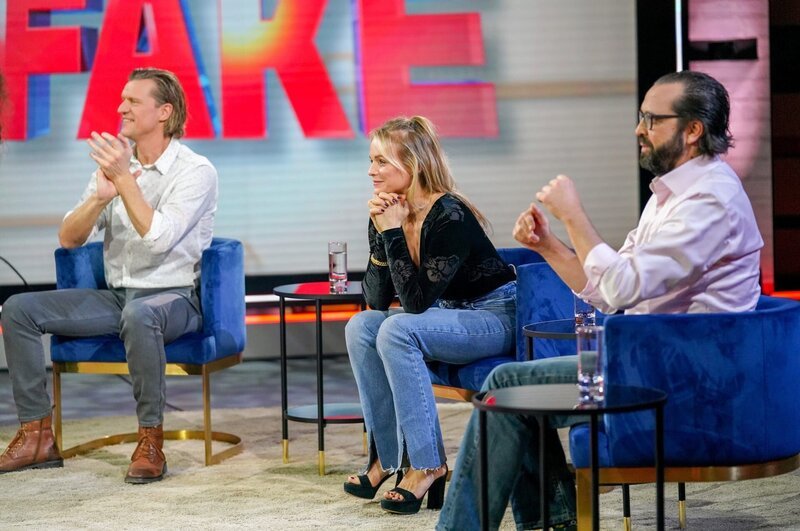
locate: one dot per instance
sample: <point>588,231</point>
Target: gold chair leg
<point>285,444</point>
<point>583,477</point>
<point>364,438</point>
<point>206,435</point>
<point>234,441</point>
<point>322,463</point>
<point>626,523</point>
<point>207,414</point>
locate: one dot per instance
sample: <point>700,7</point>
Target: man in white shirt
<point>696,249</point>
<point>156,201</point>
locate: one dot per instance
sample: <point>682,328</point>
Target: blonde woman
<point>458,298</point>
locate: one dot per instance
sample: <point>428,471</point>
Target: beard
<point>664,158</point>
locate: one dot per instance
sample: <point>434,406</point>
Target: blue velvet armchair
<point>460,382</point>
<point>219,345</point>
<point>731,414</point>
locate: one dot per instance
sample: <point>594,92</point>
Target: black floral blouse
<point>457,261</point>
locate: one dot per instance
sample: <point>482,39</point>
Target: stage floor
<point>250,384</point>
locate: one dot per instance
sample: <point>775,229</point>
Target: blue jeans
<point>388,350</point>
<point>513,453</point>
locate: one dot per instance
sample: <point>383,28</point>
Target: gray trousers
<point>145,320</point>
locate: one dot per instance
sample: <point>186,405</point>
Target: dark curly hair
<point>704,99</point>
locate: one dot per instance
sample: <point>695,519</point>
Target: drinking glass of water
<point>584,313</point>
<point>337,266</point>
<point>591,384</point>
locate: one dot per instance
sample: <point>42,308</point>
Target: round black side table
<point>558,329</point>
<point>542,401</point>
<point>321,413</point>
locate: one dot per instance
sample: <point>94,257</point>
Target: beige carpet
<point>256,490</point>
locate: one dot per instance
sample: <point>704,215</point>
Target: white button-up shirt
<point>696,248</point>
<point>181,187</point>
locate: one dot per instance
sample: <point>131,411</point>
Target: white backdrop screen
<point>536,88</point>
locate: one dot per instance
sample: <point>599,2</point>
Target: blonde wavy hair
<point>168,90</point>
<point>412,144</point>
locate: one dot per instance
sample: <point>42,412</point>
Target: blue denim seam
<point>430,420</point>
<point>563,512</point>
<point>561,515</point>
<point>468,459</point>
<point>374,457</point>
<point>468,334</point>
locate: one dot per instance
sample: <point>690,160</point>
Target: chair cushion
<point>221,295</point>
<point>637,449</point>
<point>81,267</point>
<point>729,378</point>
<point>518,256</point>
<point>542,296</point>
<point>579,445</point>
<point>189,348</point>
<point>470,376</point>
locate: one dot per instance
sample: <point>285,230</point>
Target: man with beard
<point>696,249</point>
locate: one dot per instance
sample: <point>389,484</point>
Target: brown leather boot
<point>32,447</point>
<point>148,463</point>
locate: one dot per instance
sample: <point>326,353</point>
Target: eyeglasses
<point>650,118</point>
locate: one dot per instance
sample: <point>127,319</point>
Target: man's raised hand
<point>532,228</point>
<point>112,154</point>
<point>560,197</point>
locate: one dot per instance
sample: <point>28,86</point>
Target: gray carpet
<point>255,490</point>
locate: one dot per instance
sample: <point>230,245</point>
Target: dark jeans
<point>513,457</point>
<point>145,320</point>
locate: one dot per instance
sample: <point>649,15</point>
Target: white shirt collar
<point>164,162</point>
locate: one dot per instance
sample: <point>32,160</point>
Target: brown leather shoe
<point>148,463</point>
<point>32,447</point>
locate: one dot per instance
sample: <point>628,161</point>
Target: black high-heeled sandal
<point>365,489</point>
<point>410,504</point>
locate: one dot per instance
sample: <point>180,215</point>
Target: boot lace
<point>15,444</point>
<point>146,448</point>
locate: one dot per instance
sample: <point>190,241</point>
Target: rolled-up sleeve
<point>597,262</point>
<point>693,237</point>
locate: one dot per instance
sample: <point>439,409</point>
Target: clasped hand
<point>112,155</point>
<point>387,210</point>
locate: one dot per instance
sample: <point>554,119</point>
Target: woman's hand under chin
<point>388,210</point>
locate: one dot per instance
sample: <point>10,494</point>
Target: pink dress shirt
<point>696,248</point>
